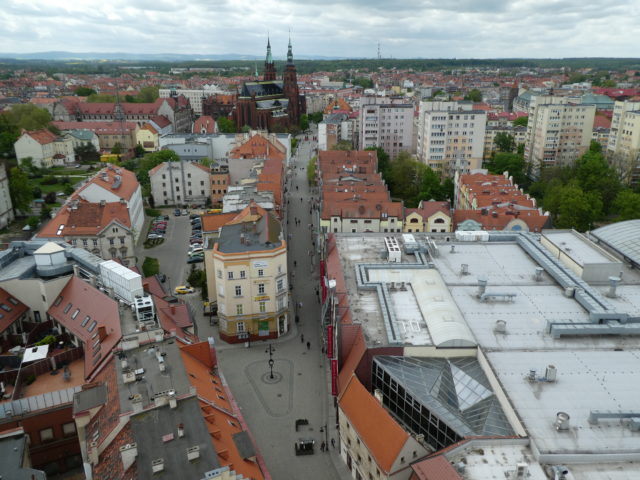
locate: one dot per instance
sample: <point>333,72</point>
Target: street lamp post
<point>270,351</point>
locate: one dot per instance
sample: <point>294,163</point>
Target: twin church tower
<point>270,103</point>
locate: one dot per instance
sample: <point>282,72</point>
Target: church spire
<point>269,57</point>
<point>289,52</point>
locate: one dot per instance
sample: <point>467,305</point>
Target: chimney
<point>123,201</point>
<point>212,352</point>
<point>180,430</point>
<point>538,276</point>
<point>157,465</point>
<point>128,454</point>
<point>193,453</point>
<point>102,332</point>
<point>253,208</point>
<point>173,403</point>
<point>136,402</point>
<point>103,203</point>
<point>613,284</point>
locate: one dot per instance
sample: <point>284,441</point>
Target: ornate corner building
<point>269,103</point>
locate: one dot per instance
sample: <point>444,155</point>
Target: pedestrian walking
<point>297,187</point>
<point>308,345</point>
<point>323,447</point>
<point>297,319</point>
<point>295,264</point>
<point>302,338</point>
<point>333,443</point>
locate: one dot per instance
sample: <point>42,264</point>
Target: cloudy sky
<point>344,28</point>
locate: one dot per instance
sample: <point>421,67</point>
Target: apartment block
<point>248,277</point>
<point>386,122</point>
<point>6,207</point>
<point>623,147</point>
<point>180,183</point>
<point>557,134</point>
<point>451,136</point>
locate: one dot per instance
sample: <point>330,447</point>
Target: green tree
<point>383,160</point>
<point>129,99</point>
<point>343,145</point>
<point>245,129</point>
<point>304,122</point>
<point>578,209</point>
<point>627,205</point>
<point>20,190</point>
<point>595,146</point>
<point>148,94</point>
<point>101,98</point>
<point>504,142</point>
<point>311,171</point>
<point>509,162</point>
<point>27,116</point>
<point>139,150</point>
<point>84,91</point>
<point>87,153</point>
<point>116,149</point>
<point>206,161</point>
<point>364,82</point>
<point>521,121</point>
<point>226,125</point>
<point>474,95</point>
<point>594,174</point>
<point>315,117</point>
<point>197,279</point>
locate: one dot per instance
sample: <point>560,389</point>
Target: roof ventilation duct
<point>613,285</point>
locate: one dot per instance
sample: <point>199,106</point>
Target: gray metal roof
<point>244,445</point>
<point>455,389</point>
<point>12,453</point>
<point>90,398</point>
<point>33,403</point>
<point>623,237</point>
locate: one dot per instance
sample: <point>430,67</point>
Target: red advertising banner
<point>334,378</point>
<point>330,341</point>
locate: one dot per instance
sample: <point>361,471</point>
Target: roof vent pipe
<point>538,275</point>
<point>562,421</point>
<point>482,286</point>
<point>501,326</point>
<point>464,268</point>
<point>613,284</point>
<point>453,249</point>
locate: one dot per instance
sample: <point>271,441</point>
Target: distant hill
<point>158,57</point>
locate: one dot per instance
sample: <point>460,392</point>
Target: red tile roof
<point>259,147</point>
<point>376,428</point>
<point>128,182</point>
<point>80,303</point>
<point>205,124</point>
<point>174,317</point>
<point>214,221</point>
<point>497,218</point>
<point>366,161</point>
<point>217,406</point>
<point>426,209</point>
<point>88,219</point>
<point>600,121</point>
<point>435,468</point>
<point>339,104</point>
<point>16,310</point>
<point>43,137</point>
<point>161,121</point>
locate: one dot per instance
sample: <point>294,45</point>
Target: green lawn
<point>56,187</point>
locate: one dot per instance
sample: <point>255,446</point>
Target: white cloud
<point>346,28</point>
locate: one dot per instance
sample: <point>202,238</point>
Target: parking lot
<point>172,253</point>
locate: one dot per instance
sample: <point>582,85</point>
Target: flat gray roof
<point>90,398</point>
<point>156,434</point>
<point>576,247</point>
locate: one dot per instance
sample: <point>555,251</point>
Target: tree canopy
<point>521,121</point>
<point>20,190</point>
<point>84,91</point>
<point>474,95</point>
<point>509,162</point>
<point>226,125</point>
<point>504,142</point>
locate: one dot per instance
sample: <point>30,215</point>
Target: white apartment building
<point>557,134</point>
<point>46,149</point>
<point>386,122</point>
<point>335,128</point>
<point>180,183</point>
<point>195,96</point>
<point>623,147</point>
<point>6,207</point>
<point>451,136</point>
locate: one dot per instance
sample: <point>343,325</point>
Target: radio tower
<point>379,55</point>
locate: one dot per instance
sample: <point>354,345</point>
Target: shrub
<point>49,180</point>
<point>150,266</point>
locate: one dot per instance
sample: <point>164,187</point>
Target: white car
<point>153,236</point>
<point>195,250</point>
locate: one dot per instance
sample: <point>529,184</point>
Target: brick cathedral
<point>269,103</point>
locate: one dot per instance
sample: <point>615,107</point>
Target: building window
<point>219,273</point>
<point>262,307</point>
<point>238,290</point>
<point>95,242</point>
<point>261,288</point>
<point>46,435</point>
<point>111,240</point>
<point>242,274</point>
<point>69,429</point>
<point>240,327</point>
<point>280,284</point>
<point>230,275</point>
<point>84,242</point>
<point>261,273</point>
<point>67,308</point>
<point>75,314</point>
<point>238,309</point>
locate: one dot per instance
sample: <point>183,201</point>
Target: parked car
<point>162,277</point>
<point>183,289</point>
<point>193,250</point>
<point>161,218</point>
<point>176,212</point>
<point>195,260</point>
<point>154,236</point>
<point>185,212</point>
<point>194,216</point>
<point>196,241</point>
